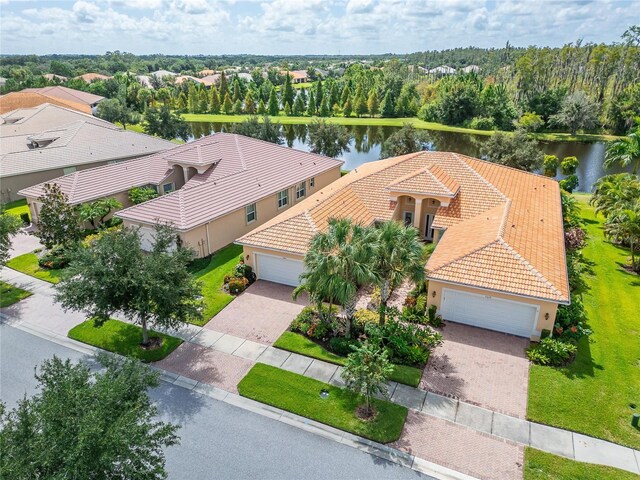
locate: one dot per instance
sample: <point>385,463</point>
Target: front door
<point>408,218</point>
<point>428,231</point>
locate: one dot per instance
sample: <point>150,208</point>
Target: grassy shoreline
<point>397,122</point>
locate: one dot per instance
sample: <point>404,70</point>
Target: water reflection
<point>366,143</point>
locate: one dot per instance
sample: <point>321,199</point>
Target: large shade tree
<point>398,257</point>
<point>58,222</point>
<point>337,262</point>
<point>113,274</point>
<point>404,141</point>
<point>577,111</point>
<point>328,139</point>
<point>9,226</point>
<point>86,425</point>
<point>513,150</point>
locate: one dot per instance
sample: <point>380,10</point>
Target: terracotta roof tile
<point>504,226</point>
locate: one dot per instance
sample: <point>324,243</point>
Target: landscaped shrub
<point>24,217</point>
<point>237,285</point>
<point>435,320</point>
<point>552,352</point>
<point>550,165</point>
<point>482,123</point>
<point>309,323</point>
<point>574,238</point>
<point>571,320</point>
<point>374,302</point>
<point>363,317</point>
<point>569,165</point>
<point>408,344</point>
<point>55,258</point>
<point>570,183</point>
<point>242,270</point>
<point>342,346</point>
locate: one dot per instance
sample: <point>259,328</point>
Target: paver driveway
<point>482,367</point>
<point>261,313</point>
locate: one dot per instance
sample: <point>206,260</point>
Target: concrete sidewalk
<point>39,312</point>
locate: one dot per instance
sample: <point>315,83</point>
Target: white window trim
<point>279,198</point>
<point>246,213</point>
<point>302,184</point>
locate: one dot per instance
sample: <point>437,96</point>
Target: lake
<point>366,143</point>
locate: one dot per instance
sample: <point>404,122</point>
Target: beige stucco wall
<point>407,203</point>
<point>206,239</point>
<point>545,307</point>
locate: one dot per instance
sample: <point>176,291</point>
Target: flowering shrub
<point>237,285</point>
<point>574,238</point>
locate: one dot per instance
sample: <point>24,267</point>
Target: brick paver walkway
<point>206,365</point>
<point>481,367</point>
<point>261,313</point>
<point>461,448</point>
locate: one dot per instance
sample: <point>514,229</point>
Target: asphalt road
<point>218,440</point>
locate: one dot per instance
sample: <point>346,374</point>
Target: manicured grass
<point>10,294</point>
<point>212,277</point>
<point>123,338</point>
<point>28,264</point>
<point>593,395</point>
<point>301,395</point>
<point>540,465</point>
<point>16,208</point>
<point>394,122</point>
<point>294,342</point>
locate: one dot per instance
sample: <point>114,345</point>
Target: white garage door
<point>279,269</point>
<point>489,312</point>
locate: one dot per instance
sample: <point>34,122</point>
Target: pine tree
<point>227,104</point>
<point>319,94</point>
<point>325,111</point>
<point>287,109</point>
<point>262,109</point>
<point>183,101</point>
<point>273,108</point>
<point>298,106</point>
<point>237,92</point>
<point>237,107</point>
<point>203,104</point>
<point>372,103</point>
<point>249,104</point>
<point>223,89</point>
<point>334,95</point>
<point>347,108</point>
<point>311,106</point>
<point>192,100</point>
<point>214,101</point>
<point>287,91</point>
<point>387,107</point>
<point>360,102</point>
<point>346,94</point>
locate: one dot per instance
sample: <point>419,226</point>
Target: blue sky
<point>303,26</point>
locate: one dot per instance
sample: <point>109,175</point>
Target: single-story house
<point>52,76</point>
<point>184,78</point>
<point>470,68</point>
<point>205,72</point>
<point>298,76</point>
<point>92,77</point>
<point>69,94</point>
<point>212,190</point>
<point>499,261</point>
<point>443,70</point>
<point>39,144</point>
<point>161,74</point>
<point>210,80</point>
<point>58,95</point>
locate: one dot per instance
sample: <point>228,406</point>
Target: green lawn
<point>294,342</point>
<point>10,294</point>
<point>212,277</point>
<point>301,395</point>
<point>16,208</point>
<point>123,338</point>
<point>593,395</point>
<point>540,465</point>
<point>28,264</point>
<point>394,122</point>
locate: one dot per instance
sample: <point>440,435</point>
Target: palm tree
<point>398,257</point>
<point>337,262</point>
<point>613,192</point>
<point>624,226</point>
<point>625,151</point>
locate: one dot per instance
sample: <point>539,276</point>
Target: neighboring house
<point>225,185</point>
<point>298,76</point>
<point>52,76</point>
<point>163,73</point>
<point>25,100</point>
<point>443,70</point>
<point>210,80</point>
<point>184,78</point>
<point>499,262</point>
<point>92,77</point>
<point>244,76</point>
<point>39,144</point>
<point>470,68</point>
<point>205,72</point>
<point>144,80</point>
<point>3,81</point>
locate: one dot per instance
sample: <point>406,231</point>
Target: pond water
<point>366,143</point>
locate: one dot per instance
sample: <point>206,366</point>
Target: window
<point>251,213</point>
<point>283,198</point>
<point>167,187</point>
<point>312,182</point>
<point>68,170</point>
<point>301,190</point>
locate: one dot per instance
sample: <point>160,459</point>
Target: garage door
<point>489,312</point>
<point>279,269</point>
